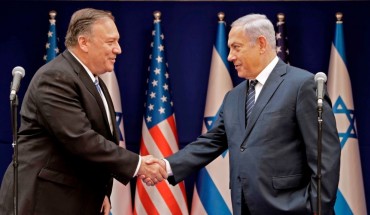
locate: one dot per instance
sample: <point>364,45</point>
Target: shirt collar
<point>262,77</point>
<point>85,67</point>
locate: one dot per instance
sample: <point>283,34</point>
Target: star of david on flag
<point>341,110</point>
<point>350,194</point>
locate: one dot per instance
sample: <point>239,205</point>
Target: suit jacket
<point>274,159</point>
<point>67,153</point>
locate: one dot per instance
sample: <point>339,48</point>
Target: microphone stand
<point>13,108</point>
<point>319,150</point>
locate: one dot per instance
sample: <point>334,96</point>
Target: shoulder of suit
<point>298,72</point>
<point>240,86</point>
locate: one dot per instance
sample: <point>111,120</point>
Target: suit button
<point>242,149</point>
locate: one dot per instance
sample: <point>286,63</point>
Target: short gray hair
<point>81,22</point>
<point>255,25</point>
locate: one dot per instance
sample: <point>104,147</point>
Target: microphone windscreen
<point>320,76</point>
<point>18,69</point>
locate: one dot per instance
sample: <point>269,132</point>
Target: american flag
<point>211,191</point>
<point>159,135</point>
<point>350,194</point>
<point>52,44</point>
<point>282,39</point>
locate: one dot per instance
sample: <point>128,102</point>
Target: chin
<point>110,69</point>
<point>240,75</point>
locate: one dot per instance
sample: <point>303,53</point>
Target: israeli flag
<point>350,196</point>
<point>121,194</point>
<point>211,191</point>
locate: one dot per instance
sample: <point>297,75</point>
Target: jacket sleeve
<point>200,152</point>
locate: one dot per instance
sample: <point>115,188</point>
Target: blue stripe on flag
<point>341,207</point>
<point>339,41</point>
<point>209,195</point>
<point>220,43</point>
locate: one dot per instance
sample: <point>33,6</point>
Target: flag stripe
<point>220,44</point>
<point>147,204</point>
<point>169,198</point>
<point>339,42</point>
<point>156,198</point>
<point>211,198</point>
<point>172,123</point>
<point>149,143</point>
<point>341,207</point>
<point>171,137</point>
<point>143,150</point>
<point>157,134</point>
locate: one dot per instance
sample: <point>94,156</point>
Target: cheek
<point>245,60</point>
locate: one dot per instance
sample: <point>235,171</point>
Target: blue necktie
<point>96,82</point>
<point>250,98</point>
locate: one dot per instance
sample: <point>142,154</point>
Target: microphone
<point>320,79</point>
<point>18,73</point>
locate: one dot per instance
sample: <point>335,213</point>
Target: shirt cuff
<point>138,166</point>
<point>168,167</point>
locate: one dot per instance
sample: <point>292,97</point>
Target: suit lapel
<point>241,103</point>
<point>111,110</point>
<point>86,80</point>
<point>272,84</point>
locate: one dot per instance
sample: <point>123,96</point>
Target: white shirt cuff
<point>138,166</point>
<point>168,167</point>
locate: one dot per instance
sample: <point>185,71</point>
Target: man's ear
<point>83,43</point>
<point>262,43</point>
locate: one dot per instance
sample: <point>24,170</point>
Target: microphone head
<point>320,76</point>
<point>19,70</point>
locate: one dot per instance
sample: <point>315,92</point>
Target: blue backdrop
<point>190,31</point>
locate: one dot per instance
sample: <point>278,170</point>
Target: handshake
<point>152,170</point>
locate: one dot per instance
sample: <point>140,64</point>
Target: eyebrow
<point>234,43</point>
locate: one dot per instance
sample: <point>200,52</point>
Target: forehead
<point>237,35</point>
<point>105,27</point>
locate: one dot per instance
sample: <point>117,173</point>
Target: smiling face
<point>101,46</point>
<point>244,54</point>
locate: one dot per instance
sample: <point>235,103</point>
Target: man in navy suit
<point>273,150</point>
<point>68,138</point>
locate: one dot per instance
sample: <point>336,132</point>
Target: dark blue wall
<point>189,28</point>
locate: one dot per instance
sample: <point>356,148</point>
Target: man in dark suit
<point>273,148</point>
<point>68,138</point>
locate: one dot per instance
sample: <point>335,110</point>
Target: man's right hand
<point>151,171</point>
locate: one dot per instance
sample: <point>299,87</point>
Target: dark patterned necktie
<point>250,98</point>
